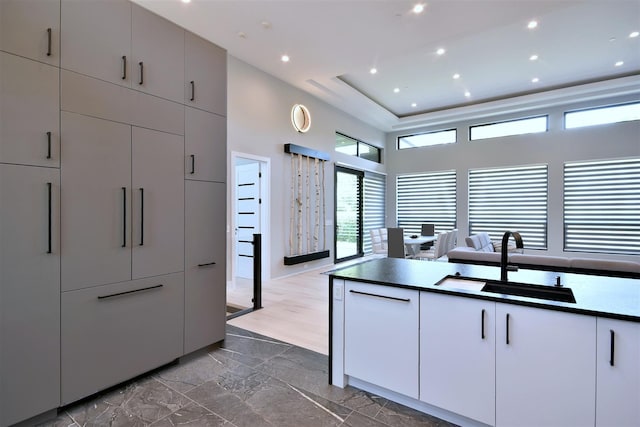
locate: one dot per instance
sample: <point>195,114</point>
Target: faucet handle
<point>558,284</point>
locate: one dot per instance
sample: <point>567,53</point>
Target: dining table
<point>412,243</point>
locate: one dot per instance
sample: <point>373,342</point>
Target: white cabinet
<point>545,367</point>
<point>158,55</point>
<point>205,146</point>
<point>29,291</point>
<point>381,336</point>
<point>114,332</point>
<point>29,108</point>
<point>618,373</point>
<point>205,75</point>
<point>457,355</point>
<point>31,28</point>
<point>205,260</point>
<point>122,204</point>
<point>96,39</point>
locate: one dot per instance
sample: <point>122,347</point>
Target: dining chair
<point>378,240</point>
<point>427,230</point>
<point>395,243</point>
<point>439,249</point>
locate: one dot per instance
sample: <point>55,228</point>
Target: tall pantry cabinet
<point>112,198</point>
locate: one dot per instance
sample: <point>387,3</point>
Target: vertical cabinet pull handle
<point>193,90</point>
<point>613,347</point>
<point>193,164</point>
<point>142,217</point>
<point>124,217</point>
<point>507,329</point>
<point>141,73</point>
<point>48,145</point>
<point>48,41</point>
<point>124,67</point>
<point>482,323</point>
<point>49,222</point>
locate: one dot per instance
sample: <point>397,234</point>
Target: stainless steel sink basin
<point>552,293</point>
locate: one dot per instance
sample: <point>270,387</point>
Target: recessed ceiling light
<point>396,90</point>
<point>440,51</point>
<point>533,57</point>
<point>373,70</point>
<point>414,105</point>
<point>285,58</point>
<point>456,76</point>
<point>535,80</point>
<point>532,24</point>
<point>634,34</point>
<point>467,94</point>
<point>619,63</point>
<point>418,8</point>
<point>186,1</point>
<point>242,35</point>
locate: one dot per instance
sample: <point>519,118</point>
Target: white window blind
<point>426,198</point>
<point>512,199</point>
<point>373,206</point>
<point>602,206</point>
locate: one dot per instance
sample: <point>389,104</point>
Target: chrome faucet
<point>504,250</point>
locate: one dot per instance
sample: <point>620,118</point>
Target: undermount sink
<point>550,293</point>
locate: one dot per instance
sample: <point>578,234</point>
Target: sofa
<point>482,250</point>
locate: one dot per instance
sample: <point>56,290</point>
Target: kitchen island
<point>473,357</point>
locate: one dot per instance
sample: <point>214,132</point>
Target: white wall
<point>258,123</point>
<point>553,148</point>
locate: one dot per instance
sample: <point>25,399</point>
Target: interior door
<point>247,216</point>
<point>348,205</point>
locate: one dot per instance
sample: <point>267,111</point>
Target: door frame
<point>359,244</point>
<point>265,192</point>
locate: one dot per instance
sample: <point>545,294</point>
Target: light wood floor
<point>295,308</point>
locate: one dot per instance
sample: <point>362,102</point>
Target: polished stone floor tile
<point>198,370</point>
<point>192,416</point>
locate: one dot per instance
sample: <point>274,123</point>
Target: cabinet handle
<point>48,145</point>
<point>141,73</point>
<point>48,41</point>
<point>482,323</point>
<point>130,292</point>
<point>142,217</point>
<point>193,90</point>
<point>124,217</point>
<point>613,347</point>
<point>124,67</point>
<point>380,296</point>
<point>49,222</point>
<point>193,164</point>
<point>507,329</point>
<point>207,264</point>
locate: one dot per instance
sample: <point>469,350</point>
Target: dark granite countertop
<point>602,296</point>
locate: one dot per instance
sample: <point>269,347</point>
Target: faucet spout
<point>504,251</point>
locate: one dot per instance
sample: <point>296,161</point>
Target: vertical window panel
<point>374,210</point>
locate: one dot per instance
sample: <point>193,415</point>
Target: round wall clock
<point>300,118</point>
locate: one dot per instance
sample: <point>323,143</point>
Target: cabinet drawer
<point>114,332</point>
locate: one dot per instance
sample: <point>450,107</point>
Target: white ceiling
<point>333,45</point>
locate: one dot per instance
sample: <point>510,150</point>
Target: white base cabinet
<point>381,336</point>
<point>618,374</point>
<point>457,355</point>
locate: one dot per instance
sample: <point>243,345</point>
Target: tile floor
<point>250,380</point>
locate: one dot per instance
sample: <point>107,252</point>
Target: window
<point>353,147</point>
<point>427,139</point>
<point>602,206</point>
<point>374,209</point>
<point>508,128</point>
<point>602,115</point>
<point>426,198</point>
<point>512,199</point>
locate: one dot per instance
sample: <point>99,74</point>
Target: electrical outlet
<point>337,292</point>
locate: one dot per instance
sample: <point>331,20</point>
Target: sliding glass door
<point>348,205</point>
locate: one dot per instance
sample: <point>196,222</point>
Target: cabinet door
<point>29,108</point>
<point>457,355</point>
<point>205,146</point>
<point>29,292</point>
<point>205,256</point>
<point>382,349</point>
<point>31,28</point>
<point>545,364</point>
<point>618,373</point>
<point>112,333</point>
<point>205,75</point>
<point>96,39</point>
<point>96,201</point>
<point>158,55</point>
<point>158,203</point>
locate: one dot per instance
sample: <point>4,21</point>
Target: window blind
<point>426,198</point>
<point>374,206</point>
<point>512,199</point>
<point>602,206</point>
